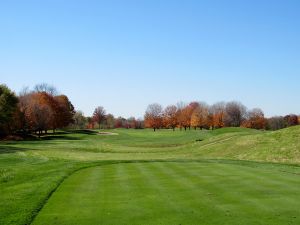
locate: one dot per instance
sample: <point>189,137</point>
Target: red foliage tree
<point>64,111</point>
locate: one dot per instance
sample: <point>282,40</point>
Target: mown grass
<point>175,193</point>
<point>31,170</point>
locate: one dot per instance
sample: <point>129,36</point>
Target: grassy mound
<point>278,146</point>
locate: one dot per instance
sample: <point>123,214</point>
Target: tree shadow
<point>65,135</point>
<point>59,137</point>
<point>7,145</point>
<point>89,132</point>
<point>7,148</point>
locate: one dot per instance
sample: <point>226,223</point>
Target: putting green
<point>176,193</point>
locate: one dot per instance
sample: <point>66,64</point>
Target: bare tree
<point>235,114</point>
<point>276,123</point>
<point>79,120</point>
<point>99,115</point>
<point>43,87</point>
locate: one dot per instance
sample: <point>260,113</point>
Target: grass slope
<point>31,170</point>
<point>278,146</point>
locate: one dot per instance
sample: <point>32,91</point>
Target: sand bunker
<point>107,133</point>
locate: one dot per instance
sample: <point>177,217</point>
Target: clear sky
<point>124,55</point>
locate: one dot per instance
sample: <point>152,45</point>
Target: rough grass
<point>278,146</point>
<point>31,170</point>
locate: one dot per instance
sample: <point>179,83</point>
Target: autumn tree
<point>63,111</point>
<point>184,114</point>
<point>90,122</point>
<point>235,113</point>
<point>218,113</point>
<point>180,118</point>
<point>119,122</point>
<point>291,120</point>
<point>39,112</point>
<point>99,115</point>
<point>170,117</point>
<point>255,119</point>
<point>154,116</point>
<point>185,117</point>
<point>8,106</point>
<point>200,116</point>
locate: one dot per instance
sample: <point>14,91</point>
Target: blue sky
<point>124,55</point>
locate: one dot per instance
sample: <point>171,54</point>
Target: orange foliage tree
<point>255,120</point>
<point>170,117</point>
<point>39,114</point>
<point>154,116</point>
<point>200,116</point>
<point>41,110</point>
<point>218,114</point>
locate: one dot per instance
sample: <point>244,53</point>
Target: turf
<point>175,193</point>
<point>30,171</point>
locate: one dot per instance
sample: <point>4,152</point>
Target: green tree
<point>8,107</point>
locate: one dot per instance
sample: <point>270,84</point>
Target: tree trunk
<point>154,129</point>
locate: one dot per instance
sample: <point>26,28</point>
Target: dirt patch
<point>107,133</point>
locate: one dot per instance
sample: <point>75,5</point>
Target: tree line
<point>34,111</point>
<point>42,109</point>
<point>203,116</point>
<point>102,120</point>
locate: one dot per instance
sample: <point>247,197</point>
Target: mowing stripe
<point>174,193</point>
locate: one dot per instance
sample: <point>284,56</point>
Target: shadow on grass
<point>89,132</point>
<point>58,137</point>
<point>6,148</point>
<point>65,135</point>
